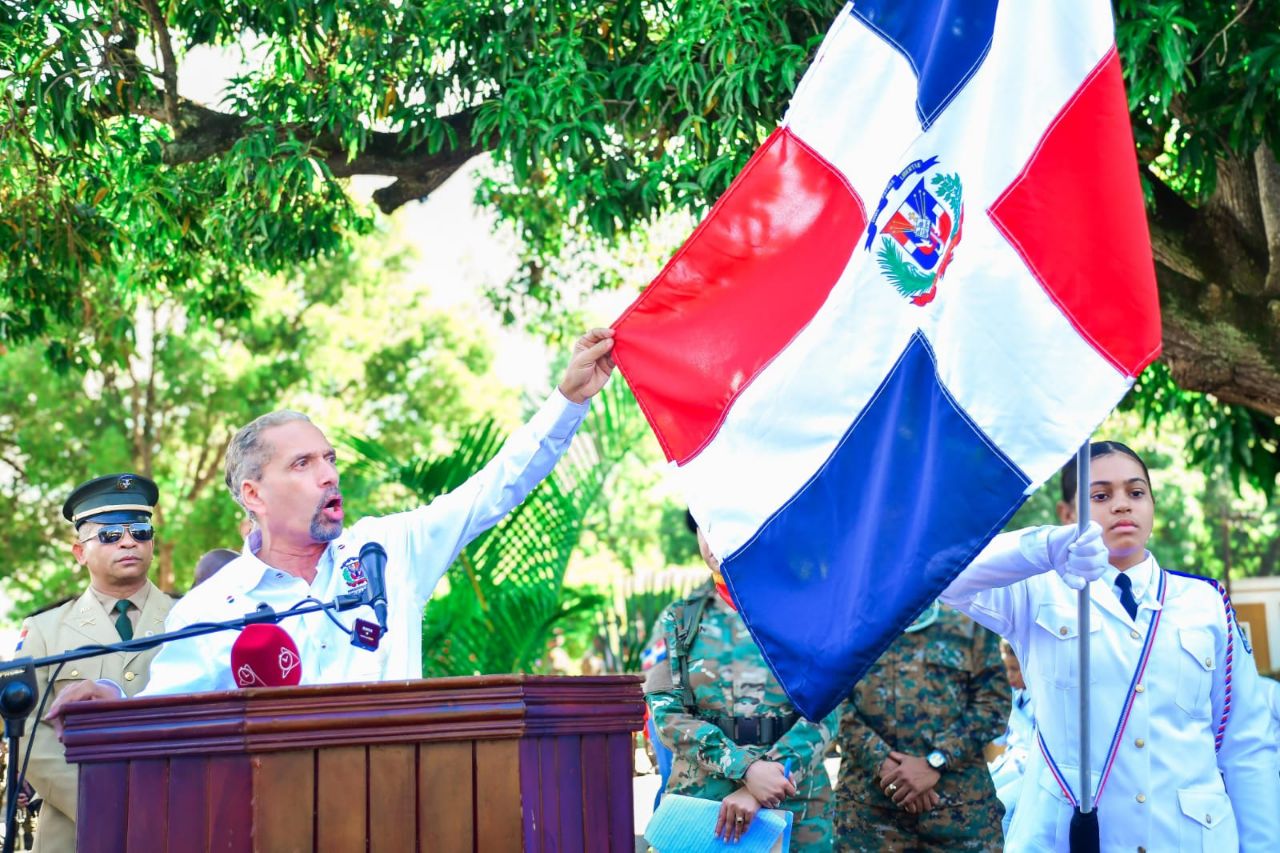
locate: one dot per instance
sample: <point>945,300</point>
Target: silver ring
<point>738,819</point>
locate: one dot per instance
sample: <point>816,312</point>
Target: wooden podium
<point>490,763</point>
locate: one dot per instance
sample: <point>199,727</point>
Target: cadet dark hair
<point>690,523</point>
<point>1096,449</point>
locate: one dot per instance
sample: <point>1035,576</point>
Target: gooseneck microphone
<point>373,559</point>
<point>265,656</point>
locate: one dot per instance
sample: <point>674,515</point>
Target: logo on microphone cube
<point>246,677</point>
<point>353,574</point>
<point>366,635</point>
<point>288,662</point>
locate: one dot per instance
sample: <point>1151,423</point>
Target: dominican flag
<point>919,298</point>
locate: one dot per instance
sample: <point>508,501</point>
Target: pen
<point>786,768</point>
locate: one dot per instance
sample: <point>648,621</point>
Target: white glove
<point>1078,557</point>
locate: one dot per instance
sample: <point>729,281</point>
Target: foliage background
<point>167,273</point>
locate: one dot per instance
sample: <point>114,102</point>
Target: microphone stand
<point>18,678</point>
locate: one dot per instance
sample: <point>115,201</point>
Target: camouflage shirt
<point>728,677</point>
<point>942,687</point>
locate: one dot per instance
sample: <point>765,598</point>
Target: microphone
<point>265,656</point>
<point>373,559</point>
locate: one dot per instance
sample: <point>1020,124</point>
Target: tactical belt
<point>753,731</point>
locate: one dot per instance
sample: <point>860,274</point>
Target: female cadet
<point>1178,750</point>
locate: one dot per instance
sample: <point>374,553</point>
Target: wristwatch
<point>937,760</point>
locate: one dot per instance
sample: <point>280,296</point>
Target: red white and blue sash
<point>1121,723</point>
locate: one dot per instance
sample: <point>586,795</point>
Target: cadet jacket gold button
<point>1134,634</point>
<point>1142,798</point>
<point>1139,689</point>
<point>1063,630</point>
<point>128,676</point>
<point>1139,743</point>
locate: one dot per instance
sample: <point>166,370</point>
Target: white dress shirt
<point>1169,789</point>
<point>420,546</point>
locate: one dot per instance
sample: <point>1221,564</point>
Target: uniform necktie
<point>123,625</point>
<point>1130,604</point>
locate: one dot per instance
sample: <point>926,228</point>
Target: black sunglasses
<point>109,534</point>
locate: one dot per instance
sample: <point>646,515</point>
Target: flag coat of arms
<point>920,296</point>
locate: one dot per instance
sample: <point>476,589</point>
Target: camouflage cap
<point>113,499</point>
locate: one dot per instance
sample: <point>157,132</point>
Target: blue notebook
<point>688,824</point>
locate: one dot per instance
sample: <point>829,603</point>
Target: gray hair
<point>247,453</point>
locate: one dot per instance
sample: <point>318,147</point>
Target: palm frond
<point>506,590</point>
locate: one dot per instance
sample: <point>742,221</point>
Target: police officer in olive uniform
<point>114,541</point>
<point>912,771</point>
<point>730,727</point>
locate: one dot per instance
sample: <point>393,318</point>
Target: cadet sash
<point>1121,723</point>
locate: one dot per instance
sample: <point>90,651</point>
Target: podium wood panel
<point>393,812</point>
<point>457,765</point>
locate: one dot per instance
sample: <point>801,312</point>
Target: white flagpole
<point>1082,618</point>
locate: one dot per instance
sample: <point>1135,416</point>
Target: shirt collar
<point>108,602</point>
<point>251,571</point>
<point>1140,577</point>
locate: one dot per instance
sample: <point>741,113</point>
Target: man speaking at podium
<point>282,470</point>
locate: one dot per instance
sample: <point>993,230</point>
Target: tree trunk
<point>1218,268</point>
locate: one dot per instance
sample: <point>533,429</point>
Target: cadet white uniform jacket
<point>1168,789</point>
<point>420,546</point>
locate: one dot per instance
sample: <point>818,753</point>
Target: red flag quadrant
<point>856,402</point>
<point>760,265</point>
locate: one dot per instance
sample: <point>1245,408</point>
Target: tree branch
<point>169,74</point>
<point>1268,169</point>
<point>201,133</point>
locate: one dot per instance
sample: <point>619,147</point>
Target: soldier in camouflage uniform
<point>912,772</point>
<point>722,712</point>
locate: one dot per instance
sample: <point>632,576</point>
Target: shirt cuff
<point>107,682</point>
<point>742,759</point>
<point>559,417</point>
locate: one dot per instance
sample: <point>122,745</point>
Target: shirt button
<point>1208,661</point>
<point>1134,634</point>
<point>1142,798</point>
<point>1208,818</point>
<point>129,676</point>
<point>1063,630</point>
<point>1139,743</point>
<point>75,673</point>
<point>1139,689</point>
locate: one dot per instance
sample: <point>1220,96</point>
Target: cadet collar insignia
<point>353,574</point>
<point>918,237</point>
